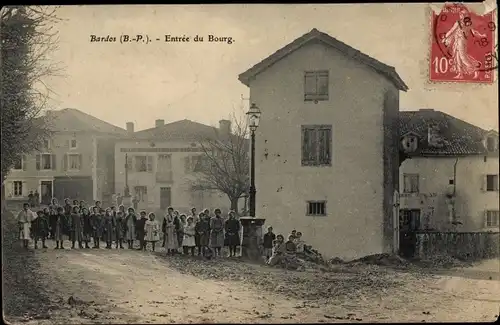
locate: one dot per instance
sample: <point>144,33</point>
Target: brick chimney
<point>225,127</point>
<point>159,123</point>
<point>130,127</point>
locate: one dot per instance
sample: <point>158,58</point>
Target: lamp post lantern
<point>253,122</point>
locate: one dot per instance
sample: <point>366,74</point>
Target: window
<point>491,143</point>
<point>451,182</point>
<point>74,161</point>
<point>45,161</point>
<point>410,183</point>
<point>315,85</point>
<point>316,145</point>
<point>18,163</point>
<point>17,188</point>
<point>141,193</point>
<point>143,163</point>
<point>492,218</point>
<point>316,208</point>
<point>46,144</point>
<point>164,164</point>
<point>73,144</point>
<point>491,182</point>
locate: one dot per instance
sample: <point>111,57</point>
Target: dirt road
<point>110,286</point>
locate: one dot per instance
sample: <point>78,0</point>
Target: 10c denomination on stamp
<point>463,45</point>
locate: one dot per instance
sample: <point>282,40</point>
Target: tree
<point>27,38</point>
<point>224,164</point>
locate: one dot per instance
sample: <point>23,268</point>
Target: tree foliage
<point>28,38</point>
<point>224,164</point>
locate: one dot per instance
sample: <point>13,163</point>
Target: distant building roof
<point>183,129</point>
<point>73,120</point>
<point>460,138</point>
<point>315,35</point>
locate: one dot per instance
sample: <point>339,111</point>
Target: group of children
<point>280,252</point>
<point>82,224</point>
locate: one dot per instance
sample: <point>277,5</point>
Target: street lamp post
<point>127,190</point>
<point>253,122</point>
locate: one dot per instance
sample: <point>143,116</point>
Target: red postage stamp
<point>463,45</point>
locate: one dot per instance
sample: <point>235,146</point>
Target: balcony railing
<point>164,176</point>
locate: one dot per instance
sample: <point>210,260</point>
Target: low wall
<point>462,245</point>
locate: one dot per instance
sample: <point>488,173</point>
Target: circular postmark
<point>465,39</point>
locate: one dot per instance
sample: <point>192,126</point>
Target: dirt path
<point>124,286</point>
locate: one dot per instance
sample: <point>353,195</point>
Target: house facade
<point>327,147</point>
<point>449,179</point>
<point>160,166</point>
<point>74,163</point>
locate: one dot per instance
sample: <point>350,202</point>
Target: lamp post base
<point>251,244</point>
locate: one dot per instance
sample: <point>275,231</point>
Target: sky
<point>141,82</point>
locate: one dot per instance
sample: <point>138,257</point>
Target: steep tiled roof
<point>73,120</point>
<point>183,129</point>
<point>315,35</point>
<point>460,138</point>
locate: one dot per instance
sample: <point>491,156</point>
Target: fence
<point>462,245</point>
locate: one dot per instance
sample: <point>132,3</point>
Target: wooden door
<point>165,197</point>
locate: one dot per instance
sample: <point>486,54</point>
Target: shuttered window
<point>316,145</point>
<point>316,85</point>
<point>46,161</point>
<point>492,218</point>
<point>143,163</point>
<point>410,183</point>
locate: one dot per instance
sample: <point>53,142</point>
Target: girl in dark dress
<point>120,229</point>
<point>232,227</point>
<point>76,227</point>
<point>109,224</point>
<point>53,217</point>
<point>203,229</point>
<point>40,227</point>
<point>96,222</point>
<point>61,222</point>
<point>87,226</point>
<point>139,229</point>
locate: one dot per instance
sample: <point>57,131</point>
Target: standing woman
<point>96,222</point>
<point>171,243</point>
<point>87,226</point>
<point>121,209</point>
<point>217,232</point>
<point>53,217</point>
<point>76,222</point>
<point>109,227</point>
<point>168,216</point>
<point>130,221</point>
<point>24,219</point>
<point>152,231</point>
<point>120,229</point>
<point>232,228</point>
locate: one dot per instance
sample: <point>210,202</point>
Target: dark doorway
<point>45,192</point>
<point>165,197</point>
<point>409,224</point>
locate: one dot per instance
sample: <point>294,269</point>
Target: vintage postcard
<point>250,163</point>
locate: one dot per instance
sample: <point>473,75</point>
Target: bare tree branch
<point>224,163</point>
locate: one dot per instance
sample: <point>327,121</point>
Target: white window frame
<point>68,161</point>
<point>312,214</point>
<point>14,189</point>
<point>49,144</point>
<point>148,157</point>
<point>41,161</point>
<point>491,214</point>
<point>22,164</point>
<point>410,191</point>
<point>71,142</point>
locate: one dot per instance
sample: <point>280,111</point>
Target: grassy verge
<point>23,294</point>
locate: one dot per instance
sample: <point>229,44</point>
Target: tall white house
<point>327,147</point>
<point>449,179</point>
